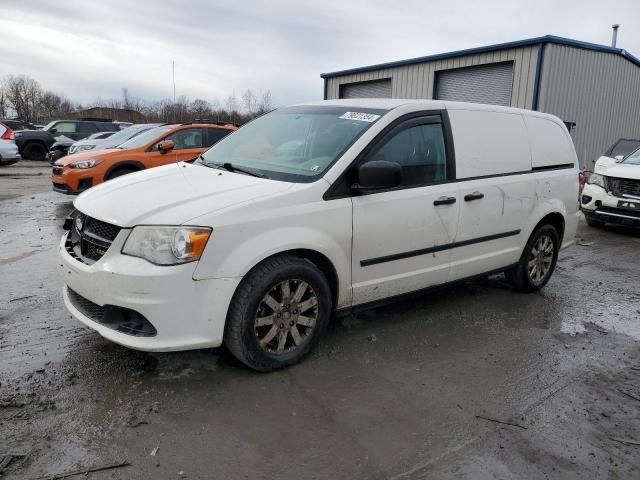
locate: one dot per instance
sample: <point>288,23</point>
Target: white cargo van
<point>315,210</point>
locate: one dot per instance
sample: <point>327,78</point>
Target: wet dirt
<point>393,393</point>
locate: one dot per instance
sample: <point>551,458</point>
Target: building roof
<point>490,48</point>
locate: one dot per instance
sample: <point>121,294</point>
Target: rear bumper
<point>10,159</point>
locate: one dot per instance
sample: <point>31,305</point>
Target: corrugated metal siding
<point>598,91</point>
<point>416,81</point>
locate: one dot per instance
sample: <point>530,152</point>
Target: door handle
<point>444,201</point>
<point>473,196</point>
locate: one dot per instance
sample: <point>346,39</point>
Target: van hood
<point>609,167</point>
<point>172,195</point>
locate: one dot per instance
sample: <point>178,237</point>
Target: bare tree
<point>265,104</point>
<point>249,103</point>
<point>199,109</point>
<point>23,95</point>
<point>231,106</point>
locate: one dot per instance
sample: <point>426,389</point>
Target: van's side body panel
<point>493,161</point>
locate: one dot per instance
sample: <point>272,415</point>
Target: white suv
<point>315,210</point>
<point>612,191</point>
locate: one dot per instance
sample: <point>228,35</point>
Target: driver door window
<point>184,139</point>
<point>187,144</point>
<point>420,152</point>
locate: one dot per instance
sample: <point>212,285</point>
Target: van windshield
<point>294,143</point>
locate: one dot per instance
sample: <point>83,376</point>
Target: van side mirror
<point>619,158</point>
<point>378,175</point>
<point>165,146</point>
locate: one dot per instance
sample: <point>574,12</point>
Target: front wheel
<point>538,260</point>
<point>278,313</point>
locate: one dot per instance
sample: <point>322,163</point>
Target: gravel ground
<point>475,381</point>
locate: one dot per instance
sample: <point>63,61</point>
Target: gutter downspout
<point>536,84</point>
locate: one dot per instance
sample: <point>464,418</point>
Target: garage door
<point>374,89</point>
<point>486,84</point>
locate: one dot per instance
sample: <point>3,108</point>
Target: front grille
<point>57,170</point>
<point>621,187</point>
<point>89,244</point>
<point>121,319</point>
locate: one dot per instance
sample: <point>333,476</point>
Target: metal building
<point>594,89</point>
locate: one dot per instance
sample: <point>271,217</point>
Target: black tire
<point>520,277</point>
<point>592,222</point>
<point>119,173</point>
<point>35,151</point>
<point>242,334</point>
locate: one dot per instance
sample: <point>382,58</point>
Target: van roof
<point>391,103</point>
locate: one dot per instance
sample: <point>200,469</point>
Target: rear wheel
<point>278,313</point>
<point>35,151</point>
<point>538,260</point>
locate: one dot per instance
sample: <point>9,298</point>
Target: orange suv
<point>159,146</point>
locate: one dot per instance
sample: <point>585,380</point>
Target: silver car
<point>113,140</point>
<point>8,148</point>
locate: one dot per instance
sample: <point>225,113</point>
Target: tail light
<point>582,178</point>
<point>8,134</point>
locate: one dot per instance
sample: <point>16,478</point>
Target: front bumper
<point>598,204</point>
<point>184,313</point>
<point>69,183</point>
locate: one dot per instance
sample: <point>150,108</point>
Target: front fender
<point>220,261</point>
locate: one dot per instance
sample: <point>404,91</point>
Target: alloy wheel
<point>286,316</point>
<point>540,258</point>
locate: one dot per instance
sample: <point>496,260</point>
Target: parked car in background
<point>34,144</point>
<point>59,149</point>
<point>100,135</point>
<point>612,191</point>
<point>153,148</point>
<point>114,140</point>
<point>8,149</point>
<point>17,125</point>
<point>316,209</point>
<point>622,147</point>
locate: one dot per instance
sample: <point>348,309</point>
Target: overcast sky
<point>89,49</point>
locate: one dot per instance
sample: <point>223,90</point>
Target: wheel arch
<point>556,220</point>
<point>321,261</point>
<point>128,164</point>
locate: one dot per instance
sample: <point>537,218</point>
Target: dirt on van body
<point>475,381</point>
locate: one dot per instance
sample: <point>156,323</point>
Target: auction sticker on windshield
<point>360,116</point>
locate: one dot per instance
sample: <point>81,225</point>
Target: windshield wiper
<point>233,168</point>
<point>228,167</point>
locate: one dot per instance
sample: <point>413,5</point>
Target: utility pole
<point>173,75</point>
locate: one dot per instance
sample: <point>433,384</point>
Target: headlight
<point>167,245</point>
<point>597,179</point>
<point>80,148</point>
<point>86,163</point>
